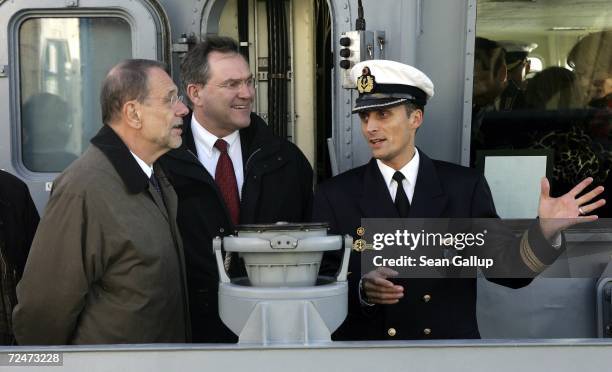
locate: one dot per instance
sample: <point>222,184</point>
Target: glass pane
<point>563,104</point>
<point>556,106</point>
<point>63,61</point>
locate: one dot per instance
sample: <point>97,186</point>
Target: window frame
<point>16,95</point>
<point>145,30</point>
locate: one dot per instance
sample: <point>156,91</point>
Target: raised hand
<point>557,214</point>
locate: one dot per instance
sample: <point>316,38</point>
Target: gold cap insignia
<point>366,82</point>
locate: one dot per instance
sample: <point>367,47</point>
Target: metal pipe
<point>243,27</point>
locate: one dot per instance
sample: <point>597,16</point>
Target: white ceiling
<point>539,16</point>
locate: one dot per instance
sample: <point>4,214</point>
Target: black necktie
<point>401,200</point>
<point>155,183</point>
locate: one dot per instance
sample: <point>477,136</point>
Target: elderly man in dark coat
<point>107,265</point>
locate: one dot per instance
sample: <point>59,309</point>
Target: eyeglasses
<point>173,100</point>
<point>236,84</point>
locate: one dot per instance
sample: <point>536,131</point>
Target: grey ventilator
<point>283,300</point>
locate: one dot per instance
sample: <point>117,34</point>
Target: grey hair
<point>127,81</point>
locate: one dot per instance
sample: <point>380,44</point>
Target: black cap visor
<point>370,103</point>
<point>389,95</point>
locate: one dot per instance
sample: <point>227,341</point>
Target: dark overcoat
<point>18,220</point>
<point>277,187</point>
<point>106,265</point>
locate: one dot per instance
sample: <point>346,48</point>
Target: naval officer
<point>402,181</point>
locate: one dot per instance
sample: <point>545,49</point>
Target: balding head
<point>127,81</point>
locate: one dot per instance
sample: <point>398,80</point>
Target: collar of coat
<point>122,160</point>
<point>256,139</point>
<point>429,198</point>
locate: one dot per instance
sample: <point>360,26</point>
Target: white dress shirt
<point>410,172</point>
<point>209,155</point>
<point>145,167</point>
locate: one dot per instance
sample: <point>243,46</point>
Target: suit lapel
<point>171,204</point>
<point>189,165</point>
<point>375,201</point>
<point>170,208</point>
<point>170,200</point>
<point>429,200</point>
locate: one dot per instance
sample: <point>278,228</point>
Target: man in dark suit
<point>401,181</point>
<point>230,170</point>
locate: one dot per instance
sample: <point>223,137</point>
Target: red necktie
<point>226,181</point>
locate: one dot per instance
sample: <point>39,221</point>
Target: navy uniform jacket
<point>430,308</point>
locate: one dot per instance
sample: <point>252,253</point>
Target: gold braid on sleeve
<point>529,258</point>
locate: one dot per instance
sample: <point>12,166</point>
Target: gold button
<point>426,298</point>
<point>391,332</point>
<point>427,331</point>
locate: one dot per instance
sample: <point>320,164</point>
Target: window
<point>62,64</point>
<point>543,81</point>
<point>561,112</point>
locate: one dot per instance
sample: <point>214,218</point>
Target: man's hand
<point>379,290</point>
<point>557,214</point>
